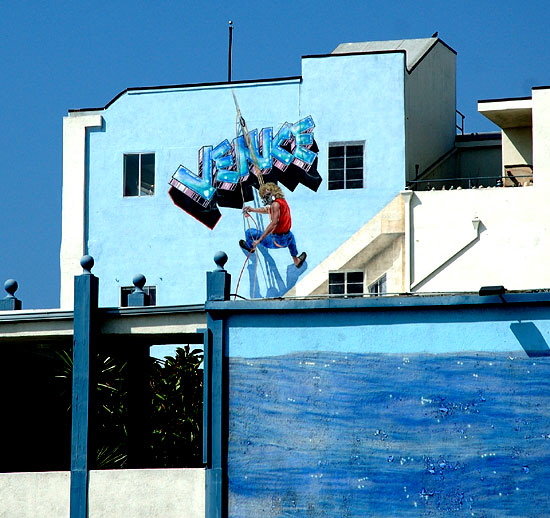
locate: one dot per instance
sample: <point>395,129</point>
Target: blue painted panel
<point>390,412</point>
<point>336,435</point>
<point>411,331</point>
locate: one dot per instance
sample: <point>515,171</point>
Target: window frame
<point>379,286</point>
<point>347,283</point>
<point>142,191</point>
<point>347,180</point>
<point>126,291</point>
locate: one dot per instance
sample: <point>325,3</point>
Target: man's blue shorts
<point>272,240</point>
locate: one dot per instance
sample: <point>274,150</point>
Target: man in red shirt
<point>277,234</point>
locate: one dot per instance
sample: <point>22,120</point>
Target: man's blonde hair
<point>273,188</point>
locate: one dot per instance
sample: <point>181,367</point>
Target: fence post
<point>139,397</point>
<point>218,284</point>
<point>84,357</point>
<point>138,297</point>
<point>10,302</point>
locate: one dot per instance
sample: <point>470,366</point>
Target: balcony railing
<point>478,182</point>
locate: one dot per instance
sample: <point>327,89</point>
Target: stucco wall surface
<point>541,137</point>
<point>517,146</point>
<point>32,495</point>
<point>510,250</point>
<point>140,493</point>
<point>143,493</point>
<point>430,109</point>
<point>350,98</point>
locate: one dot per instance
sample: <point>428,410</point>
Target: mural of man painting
<point>277,234</point>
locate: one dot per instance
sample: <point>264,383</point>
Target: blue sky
<point>56,56</point>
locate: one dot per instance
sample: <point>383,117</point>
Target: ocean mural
<point>336,434</point>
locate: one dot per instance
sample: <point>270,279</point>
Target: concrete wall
<point>541,137</point>
<point>430,91</point>
<point>162,493</point>
<point>73,224</point>
<point>142,493</point>
<point>377,248</point>
<point>448,254</point>
<point>474,158</point>
<point>28,495</point>
<point>482,162</point>
<point>517,146</point>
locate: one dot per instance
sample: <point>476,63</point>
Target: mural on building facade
<point>338,434</point>
<point>227,173</point>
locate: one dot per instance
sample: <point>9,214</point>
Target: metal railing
<point>477,182</point>
<point>460,125</point>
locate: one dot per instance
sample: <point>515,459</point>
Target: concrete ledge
<point>147,493</point>
<point>139,493</point>
<point>29,495</point>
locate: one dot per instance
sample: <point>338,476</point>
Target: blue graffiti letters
<point>224,162</point>
<point>200,185</point>
<point>259,155</point>
<point>222,168</point>
<point>300,136</point>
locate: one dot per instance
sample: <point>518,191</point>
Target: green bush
<point>176,384</point>
<point>174,415</point>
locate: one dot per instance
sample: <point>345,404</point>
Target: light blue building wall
<point>351,98</point>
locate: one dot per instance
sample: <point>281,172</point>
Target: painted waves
<point>322,434</point>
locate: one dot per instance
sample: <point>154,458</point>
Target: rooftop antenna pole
<point>230,51</point>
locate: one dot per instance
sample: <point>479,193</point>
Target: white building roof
<point>508,113</point>
<point>415,49</point>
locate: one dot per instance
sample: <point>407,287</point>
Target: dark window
<point>378,287</point>
<point>139,174</point>
<point>125,291</point>
<point>345,283</point>
<point>345,166</point>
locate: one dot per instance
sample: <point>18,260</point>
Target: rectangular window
<point>346,283</point>
<point>378,287</point>
<point>345,166</point>
<point>139,174</point>
<point>125,292</point>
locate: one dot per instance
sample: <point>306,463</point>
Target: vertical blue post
<point>85,307</point>
<point>206,397</point>
<point>218,286</point>
<point>139,397</point>
<point>10,302</point>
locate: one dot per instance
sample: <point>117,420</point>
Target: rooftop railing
<point>478,182</point>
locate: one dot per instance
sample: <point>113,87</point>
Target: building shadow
<point>531,339</point>
<point>266,270</point>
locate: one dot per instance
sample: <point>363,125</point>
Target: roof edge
<point>437,40</point>
<point>504,99</point>
<point>364,53</point>
<point>185,85</point>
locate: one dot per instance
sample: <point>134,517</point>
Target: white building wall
<point>35,495</point>
<point>517,146</point>
<point>147,493</point>
<point>447,255</point>
<point>73,234</point>
<point>541,138</point>
<point>430,106</point>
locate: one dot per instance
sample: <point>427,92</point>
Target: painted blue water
<point>376,435</point>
